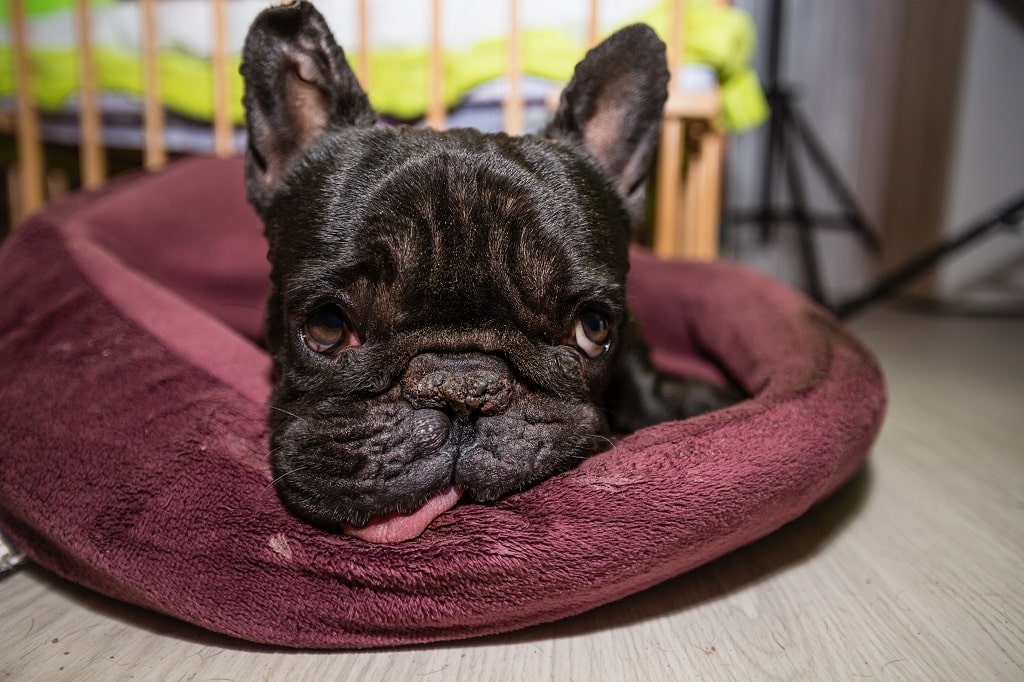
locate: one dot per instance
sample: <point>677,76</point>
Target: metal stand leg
<point>804,224</point>
<point>789,136</point>
<point>1009,213</point>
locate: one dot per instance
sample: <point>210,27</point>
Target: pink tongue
<point>402,527</point>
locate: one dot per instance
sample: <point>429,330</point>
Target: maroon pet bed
<point>133,438</point>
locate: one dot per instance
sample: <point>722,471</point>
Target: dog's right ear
<point>612,107</point>
<point>297,86</point>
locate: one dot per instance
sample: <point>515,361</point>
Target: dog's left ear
<point>613,108</point>
<point>297,85</point>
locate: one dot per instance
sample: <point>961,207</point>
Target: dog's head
<point>445,306</point>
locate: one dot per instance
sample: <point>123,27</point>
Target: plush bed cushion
<point>133,438</point>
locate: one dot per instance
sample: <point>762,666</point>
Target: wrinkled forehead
<point>488,205</point>
<point>467,212</point>
<point>474,184</point>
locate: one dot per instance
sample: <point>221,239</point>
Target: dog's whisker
<point>274,451</point>
<point>283,476</point>
<point>281,409</point>
<point>581,458</point>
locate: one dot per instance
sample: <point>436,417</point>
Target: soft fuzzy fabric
<point>133,438</point>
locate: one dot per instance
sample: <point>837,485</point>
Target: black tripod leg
<point>801,216</point>
<point>776,101</point>
<point>842,194</point>
<point>1009,212</point>
<point>772,148</point>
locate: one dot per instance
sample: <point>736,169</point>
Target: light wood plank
<point>13,195</point>
<point>29,145</point>
<point>593,22</point>
<point>363,19</point>
<point>691,195</point>
<point>698,106</point>
<point>512,107</point>
<point>675,41</point>
<point>669,174</point>
<point>155,153</point>
<point>223,144</point>
<point>687,210</point>
<point>703,199</point>
<point>435,94</point>
<point>92,159</point>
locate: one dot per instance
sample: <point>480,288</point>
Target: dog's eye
<point>592,333</point>
<point>327,329</point>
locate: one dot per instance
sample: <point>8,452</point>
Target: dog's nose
<point>466,386</point>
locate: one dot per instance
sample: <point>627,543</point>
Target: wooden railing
<point>687,175</point>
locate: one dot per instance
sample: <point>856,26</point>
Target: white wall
<point>924,118</point>
<point>835,54</point>
<point>988,159</point>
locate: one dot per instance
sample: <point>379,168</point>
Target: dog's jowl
<point>447,316</point>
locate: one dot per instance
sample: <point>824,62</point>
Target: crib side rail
<point>28,176</point>
<point>687,201</point>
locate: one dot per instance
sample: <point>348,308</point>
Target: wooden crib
<point>688,174</point>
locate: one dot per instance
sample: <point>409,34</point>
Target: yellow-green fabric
<point>36,7</point>
<point>720,36</point>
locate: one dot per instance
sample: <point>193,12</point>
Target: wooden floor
<point>914,571</point>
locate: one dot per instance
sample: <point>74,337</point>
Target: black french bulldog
<point>447,314</point>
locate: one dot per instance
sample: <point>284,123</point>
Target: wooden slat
<point>155,155</point>
<point>435,101</point>
<point>669,174</point>
<point>13,194</point>
<point>687,209</point>
<point>675,40</point>
<point>364,44</point>
<point>709,179</point>
<point>668,221</point>
<point>57,183</point>
<point>29,145</point>
<point>594,23</point>
<point>513,104</point>
<point>687,224</point>
<point>697,106</point>
<point>222,129</point>
<point>91,157</point>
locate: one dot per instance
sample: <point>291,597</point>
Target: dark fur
<point>463,259</point>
